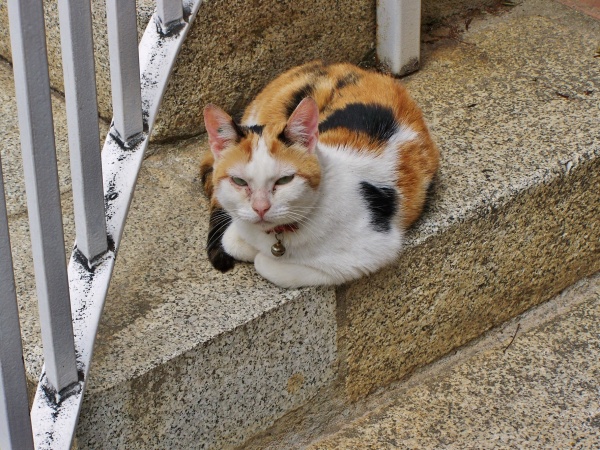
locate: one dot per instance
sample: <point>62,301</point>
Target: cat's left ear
<point>221,129</point>
<point>303,125</point>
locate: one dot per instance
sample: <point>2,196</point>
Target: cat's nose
<point>261,208</point>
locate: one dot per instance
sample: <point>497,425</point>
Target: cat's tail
<point>206,171</point>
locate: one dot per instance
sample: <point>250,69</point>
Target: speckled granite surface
<point>235,48</point>
<point>514,216</point>
<point>215,358</point>
<point>228,387</point>
<point>187,356</point>
<point>10,150</point>
<point>540,391</point>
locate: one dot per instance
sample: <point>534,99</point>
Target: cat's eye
<point>239,181</point>
<point>284,180</point>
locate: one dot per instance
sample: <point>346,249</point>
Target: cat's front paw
<point>289,275</point>
<point>220,259</point>
<point>236,246</point>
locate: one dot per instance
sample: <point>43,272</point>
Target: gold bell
<point>278,249</point>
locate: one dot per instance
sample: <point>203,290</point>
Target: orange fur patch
<point>241,153</point>
<point>418,163</point>
<point>307,165</point>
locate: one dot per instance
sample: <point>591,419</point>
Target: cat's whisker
<point>218,230</point>
<point>309,208</point>
<point>220,216</point>
<point>301,218</point>
<point>215,238</point>
<point>308,223</point>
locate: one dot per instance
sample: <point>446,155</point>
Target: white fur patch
<point>403,135</point>
<point>237,247</point>
<point>262,168</point>
<point>251,120</point>
<point>335,241</point>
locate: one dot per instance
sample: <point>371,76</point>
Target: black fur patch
<point>375,121</point>
<point>283,138</point>
<point>299,95</point>
<point>382,203</point>
<point>219,222</point>
<point>314,67</point>
<point>351,78</point>
<point>205,172</point>
<point>239,130</point>
<point>429,195</point>
<point>256,129</point>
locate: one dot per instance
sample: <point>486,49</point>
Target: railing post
<point>32,91</point>
<point>169,14</point>
<point>53,422</point>
<point>82,118</point>
<point>121,19</point>
<point>15,427</point>
<point>399,35</point>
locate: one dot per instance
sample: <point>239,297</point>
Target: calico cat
<point>329,166</point>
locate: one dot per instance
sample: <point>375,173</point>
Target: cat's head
<point>268,174</point>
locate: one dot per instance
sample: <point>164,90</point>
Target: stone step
<point>189,358</point>
<point>531,383</point>
<point>235,48</point>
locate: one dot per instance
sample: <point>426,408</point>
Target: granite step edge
<point>334,384</point>
<point>385,338</point>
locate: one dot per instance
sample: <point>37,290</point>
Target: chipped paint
<point>54,415</point>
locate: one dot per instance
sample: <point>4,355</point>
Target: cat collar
<point>278,249</point>
<point>287,227</point>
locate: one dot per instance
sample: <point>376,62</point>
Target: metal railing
<point>71,298</point>
<point>399,35</point>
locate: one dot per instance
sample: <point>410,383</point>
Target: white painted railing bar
<point>124,70</point>
<point>32,91</point>
<point>399,35</point>
<point>53,428</point>
<point>82,118</point>
<point>169,14</point>
<point>15,428</point>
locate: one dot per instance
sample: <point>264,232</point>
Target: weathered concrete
<point>235,47</point>
<point>216,361</point>
<point>515,197</point>
<point>12,164</point>
<point>589,7</point>
<point>535,389</point>
<point>512,221</point>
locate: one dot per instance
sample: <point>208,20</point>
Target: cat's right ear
<point>303,125</point>
<point>221,129</point>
